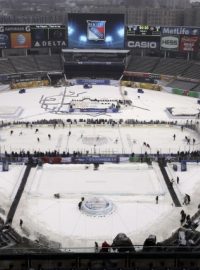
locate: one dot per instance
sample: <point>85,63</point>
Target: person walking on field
<point>177,180</point>
<point>156,199</point>
<point>20,222</point>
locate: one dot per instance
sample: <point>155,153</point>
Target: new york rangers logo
<point>96,30</point>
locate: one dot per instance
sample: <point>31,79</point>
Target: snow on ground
<point>131,190</point>
<point>9,183</point>
<point>150,106</point>
<point>189,182</point>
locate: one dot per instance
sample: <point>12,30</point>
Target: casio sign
<point>142,44</point>
<point>169,42</point>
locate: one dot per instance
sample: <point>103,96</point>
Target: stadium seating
<point>142,64</point>
<point>196,88</point>
<point>23,63</point>
<point>171,66</point>
<point>6,66</point>
<point>48,63</point>
<point>182,85</point>
<point>192,72</point>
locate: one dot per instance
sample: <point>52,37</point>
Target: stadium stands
<point>143,64</point>
<point>196,88</point>
<point>23,63</point>
<point>55,62</point>
<point>192,72</point>
<point>182,85</point>
<point>48,63</point>
<point>167,66</point>
<point>171,66</point>
<point>6,67</point>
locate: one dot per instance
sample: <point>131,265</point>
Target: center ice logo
<point>96,30</point>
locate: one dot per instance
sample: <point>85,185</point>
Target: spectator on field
<point>105,247</point>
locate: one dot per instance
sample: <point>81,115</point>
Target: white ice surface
<point>132,190</point>
<point>137,215</point>
<point>99,139</point>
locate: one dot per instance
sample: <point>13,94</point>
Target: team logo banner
<point>96,30</point>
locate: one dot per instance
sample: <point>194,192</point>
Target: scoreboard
<point>142,30</point>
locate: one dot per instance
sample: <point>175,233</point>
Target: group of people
<point>91,121</point>
<point>187,139</point>
<point>146,145</point>
<point>121,243</point>
<point>186,220</point>
<point>105,247</point>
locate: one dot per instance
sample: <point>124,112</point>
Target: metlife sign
<point>143,42</point>
<point>170,43</point>
<point>180,30</point>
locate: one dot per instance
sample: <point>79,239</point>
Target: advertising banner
<point>189,44</point>
<point>20,40</point>
<point>48,36</point>
<point>96,159</point>
<point>180,30</point>
<point>169,43</point>
<point>142,30</point>
<point>4,41</point>
<point>143,42</point>
<point>14,28</point>
<point>94,81</point>
<point>39,35</point>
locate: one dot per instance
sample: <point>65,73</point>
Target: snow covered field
<point>9,183</point>
<point>150,106</point>
<point>132,189</point>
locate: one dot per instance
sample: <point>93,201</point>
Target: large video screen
<point>96,31</point>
